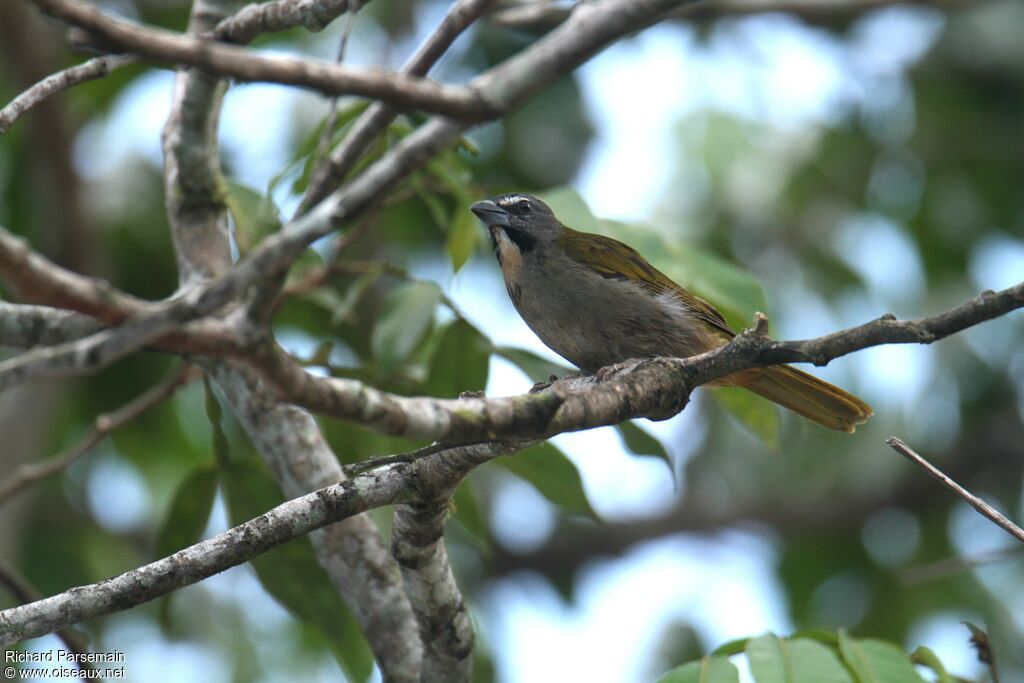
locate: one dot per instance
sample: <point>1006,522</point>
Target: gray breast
<point>592,321</point>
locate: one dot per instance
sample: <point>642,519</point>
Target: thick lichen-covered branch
<point>384,486</point>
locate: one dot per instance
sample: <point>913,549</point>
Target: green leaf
<point>307,148</point>
<point>707,670</point>
<point>462,237</point>
<point>536,367</point>
<point>777,660</point>
<point>730,648</point>
<point>820,635</point>
<point>876,661</point>
<point>342,305</point>
<point>755,413</point>
<point>926,657</point>
<point>732,290</point>
<point>553,475</point>
<point>405,320</point>
<point>460,362</point>
<point>641,442</point>
<point>189,511</point>
<point>291,573</point>
<point>255,215</point>
<point>435,205</point>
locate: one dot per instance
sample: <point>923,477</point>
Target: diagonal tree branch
<point>103,425</point>
<point>36,279</point>
<point>291,519</point>
<point>223,551</point>
<point>98,67</point>
<point>978,504</point>
<point>23,326</point>
<point>23,591</point>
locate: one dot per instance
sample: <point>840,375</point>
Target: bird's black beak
<point>490,213</point>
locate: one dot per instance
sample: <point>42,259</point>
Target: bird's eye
<point>523,206</point>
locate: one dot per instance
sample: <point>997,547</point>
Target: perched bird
<point>596,301</point>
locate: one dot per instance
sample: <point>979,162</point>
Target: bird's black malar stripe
<point>521,240</point>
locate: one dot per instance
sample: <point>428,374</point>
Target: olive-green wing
<point>613,259</point>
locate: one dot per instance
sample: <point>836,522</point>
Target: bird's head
<point>526,221</point>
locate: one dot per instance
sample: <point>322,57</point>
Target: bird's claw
<point>609,371</point>
<point>541,386</point>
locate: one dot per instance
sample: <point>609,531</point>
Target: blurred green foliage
<point>799,215</point>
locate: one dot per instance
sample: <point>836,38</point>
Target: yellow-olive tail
<point>806,395</point>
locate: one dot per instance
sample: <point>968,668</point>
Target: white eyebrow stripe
<point>512,199</point>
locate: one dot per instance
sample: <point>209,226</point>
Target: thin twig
<point>977,503</point>
<point>25,593</point>
<point>355,468</point>
<point>97,67</point>
<point>319,276</point>
<point>29,473</point>
<point>375,120</point>
<point>324,144</point>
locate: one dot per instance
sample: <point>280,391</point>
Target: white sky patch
<point>260,112</point>
<point>997,262</point>
<point>131,128</point>
<point>619,485</point>
<point>522,519</point>
<point>635,91</point>
<point>884,257</point>
<point>780,71</point>
<point>118,497</point>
